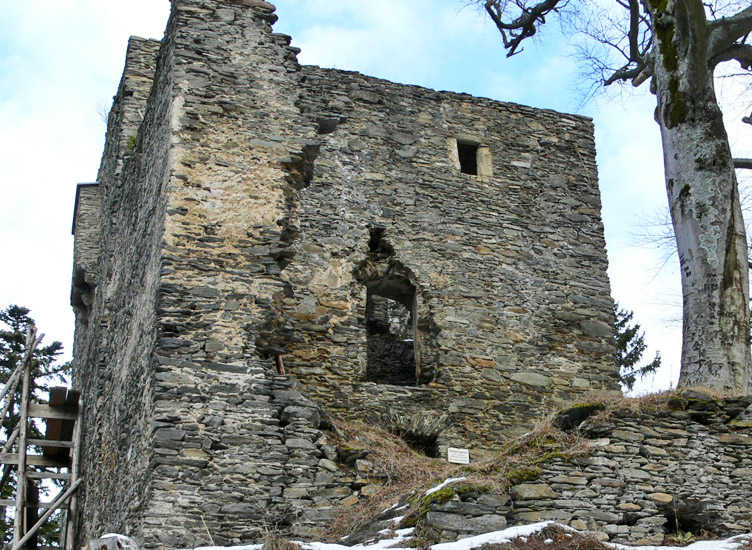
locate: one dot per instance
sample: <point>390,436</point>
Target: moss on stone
<point>551,456</point>
<point>410,521</point>
<point>441,496</point>
<point>515,477</point>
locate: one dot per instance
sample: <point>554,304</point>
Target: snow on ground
<point>497,537</point>
<point>401,535</point>
<point>444,484</point>
<point>728,544</point>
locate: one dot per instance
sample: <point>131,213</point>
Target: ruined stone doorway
<point>391,318</point>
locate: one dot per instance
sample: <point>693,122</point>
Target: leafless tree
<point>677,45</point>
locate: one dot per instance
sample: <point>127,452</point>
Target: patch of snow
<point>731,543</point>
<point>124,542</point>
<point>392,507</point>
<point>402,536</point>
<point>495,537</point>
<point>444,484</point>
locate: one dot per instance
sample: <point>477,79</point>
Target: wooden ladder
<point>60,451</point>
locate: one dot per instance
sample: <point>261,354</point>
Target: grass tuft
<point>398,468</point>
<point>403,471</point>
<point>273,541</point>
<point>554,537</point>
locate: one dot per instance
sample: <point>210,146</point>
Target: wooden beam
<point>12,382</point>
<point>54,426</point>
<point>51,443</point>
<point>9,444</point>
<point>57,396</point>
<point>75,457</point>
<point>10,503</point>
<point>45,411</point>
<point>19,523</point>
<point>34,460</point>
<point>73,399</point>
<point>48,475</point>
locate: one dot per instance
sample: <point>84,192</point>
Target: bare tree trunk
<point>704,201</point>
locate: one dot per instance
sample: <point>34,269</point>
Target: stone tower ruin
<point>268,243</point>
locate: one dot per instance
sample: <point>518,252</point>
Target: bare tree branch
<point>634,30</point>
<point>743,164</point>
<point>739,52</point>
<point>524,26</point>
<point>627,72</point>
<point>724,32</point>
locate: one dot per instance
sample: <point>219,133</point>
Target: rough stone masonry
<point>268,241</point>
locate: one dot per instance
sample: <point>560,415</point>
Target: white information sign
<point>458,456</point>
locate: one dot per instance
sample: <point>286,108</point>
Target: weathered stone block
<point>532,491</point>
<point>531,379</point>
<point>462,524</point>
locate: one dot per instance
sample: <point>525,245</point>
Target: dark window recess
<point>468,154</point>
<point>389,329</point>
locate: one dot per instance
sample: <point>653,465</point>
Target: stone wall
<point>114,338</point>
<point>513,311</point>
<point>248,207</point>
<point>651,473</point>
<point>87,221</point>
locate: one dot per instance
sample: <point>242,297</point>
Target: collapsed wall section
<point>655,472</point>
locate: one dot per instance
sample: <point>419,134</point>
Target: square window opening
<point>468,154</point>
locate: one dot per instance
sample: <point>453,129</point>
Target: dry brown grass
<point>273,541</point>
<point>521,458</point>
<point>405,471</point>
<point>551,538</point>
<point>648,403</point>
<point>635,405</point>
<point>400,468</point>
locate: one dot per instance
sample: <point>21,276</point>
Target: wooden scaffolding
<point>54,457</point>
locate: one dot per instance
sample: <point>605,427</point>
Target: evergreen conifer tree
<point>45,369</point>
<point>630,347</point>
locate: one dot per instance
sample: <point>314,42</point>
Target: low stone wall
<point>685,469</point>
<point>683,466</point>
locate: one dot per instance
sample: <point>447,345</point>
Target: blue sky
<point>60,64</point>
